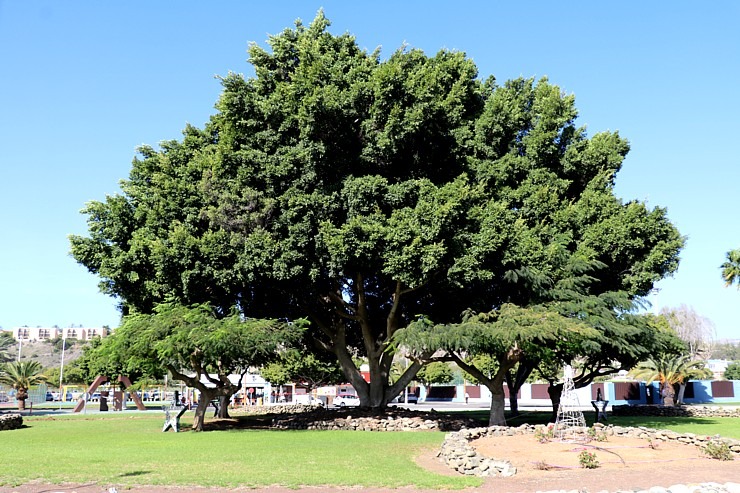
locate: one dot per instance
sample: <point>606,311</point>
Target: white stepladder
<point>570,423</point>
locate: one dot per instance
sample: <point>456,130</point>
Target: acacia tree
<point>508,334</point>
<point>361,192</point>
<point>195,347</point>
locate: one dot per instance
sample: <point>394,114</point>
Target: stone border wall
<point>10,421</point>
<point>457,452</point>
<point>356,419</point>
<point>691,411</point>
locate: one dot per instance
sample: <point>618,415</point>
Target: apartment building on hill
<point>45,333</point>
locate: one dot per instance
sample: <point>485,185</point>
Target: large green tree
<point>196,347</point>
<point>361,192</point>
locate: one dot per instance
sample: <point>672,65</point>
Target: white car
<point>344,400</point>
<point>307,399</point>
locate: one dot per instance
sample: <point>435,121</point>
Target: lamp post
<point>61,369</point>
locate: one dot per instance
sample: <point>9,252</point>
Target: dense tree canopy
<point>361,192</point>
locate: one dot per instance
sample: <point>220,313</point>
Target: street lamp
<point>61,369</point>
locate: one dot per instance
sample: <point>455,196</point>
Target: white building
<point>718,367</point>
<point>26,333</point>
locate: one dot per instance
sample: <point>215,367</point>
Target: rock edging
<point>361,420</point>
<point>10,421</point>
<point>689,411</point>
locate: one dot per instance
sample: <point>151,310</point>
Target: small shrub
<point>544,436</point>
<point>542,465</point>
<point>717,449</point>
<point>588,460</point>
<point>599,436</point>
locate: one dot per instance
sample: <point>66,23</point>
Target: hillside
<point>45,353</point>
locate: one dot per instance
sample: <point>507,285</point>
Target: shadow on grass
<point>133,474</point>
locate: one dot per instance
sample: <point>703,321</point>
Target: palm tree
<point>22,376</point>
<point>731,268</point>
<point>670,371</point>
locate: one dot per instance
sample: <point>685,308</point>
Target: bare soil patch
<point>625,464</point>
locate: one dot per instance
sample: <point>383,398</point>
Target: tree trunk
<point>668,395</point>
<point>223,406</point>
<point>498,404</point>
<point>21,395</point>
<point>515,382</point>
<point>513,402</point>
<point>498,399</point>
<point>681,391</point>
<point>206,396</point>
<point>555,391</point>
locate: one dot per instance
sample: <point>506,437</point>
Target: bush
<point>588,460</point>
<point>717,449</point>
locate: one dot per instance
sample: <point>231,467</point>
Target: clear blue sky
<point>83,83</point>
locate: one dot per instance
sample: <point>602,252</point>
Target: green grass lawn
<point>131,449</point>
<point>726,427</point>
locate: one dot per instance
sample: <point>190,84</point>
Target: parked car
<point>344,400</point>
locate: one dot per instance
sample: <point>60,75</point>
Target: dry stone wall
<point>691,411</point>
<point>396,419</point>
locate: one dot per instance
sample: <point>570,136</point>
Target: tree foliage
<point>726,350</point>
<point>732,372</point>
<point>436,372</point>
<point>195,347</point>
<point>670,371</point>
<point>731,268</point>
<point>301,367</point>
<point>6,342</point>
<point>22,375</point>
<point>361,192</point>
<point>509,335</point>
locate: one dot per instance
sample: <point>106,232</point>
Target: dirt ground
<point>625,464</point>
